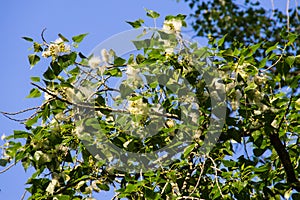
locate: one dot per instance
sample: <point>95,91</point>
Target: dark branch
<point>283,153</point>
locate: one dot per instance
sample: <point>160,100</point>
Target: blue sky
<point>100,19</point>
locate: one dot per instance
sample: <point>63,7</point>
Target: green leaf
<point>152,14</point>
<point>63,38</point>
<point>290,60</point>
<point>34,93</point>
<point>140,44</point>
<point>188,150</point>
<point>253,49</point>
<point>271,48</point>
<point>99,101</point>
<point>221,41</point>
<point>103,187</point>
<point>28,39</point>
<point>296,196</point>
<point>229,163</point>
<point>74,71</point>
<point>259,152</point>
<point>136,24</point>
<point>179,17</point>
<point>33,59</point>
<point>139,59</point>
<point>35,78</point>
<point>81,55</point>
<point>56,68</point>
<point>49,74</point>
<point>118,61</point>
<point>66,60</point>
<point>113,72</point>
<point>130,59</point>
<point>131,187</point>
<point>262,168</point>
<point>125,90</point>
<point>262,63</point>
<point>3,162</point>
<point>63,197</point>
<point>291,37</point>
<point>79,38</point>
<point>37,47</point>
<point>20,134</point>
<point>31,121</point>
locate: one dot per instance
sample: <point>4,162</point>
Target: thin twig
<point>24,194</point>
<point>216,175</point>
<point>115,196</point>
<point>199,178</point>
<point>19,112</point>
<point>42,35</point>
<point>14,119</point>
<point>54,95</point>
<point>280,57</point>
<point>165,186</point>
<point>7,168</point>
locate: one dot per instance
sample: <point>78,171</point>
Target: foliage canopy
<point>256,54</point>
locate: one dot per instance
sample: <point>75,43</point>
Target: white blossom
<point>94,62</point>
<point>133,76</point>
<point>138,107</point>
<point>102,69</point>
<point>3,136</point>
<point>47,96</point>
<point>58,41</point>
<point>52,185</point>
<point>105,55</point>
<point>235,105</point>
<point>55,48</point>
<point>260,79</point>
<point>169,51</point>
<point>172,26</point>
<point>170,123</point>
<point>131,72</point>
<point>60,116</point>
<point>257,112</point>
<point>275,123</point>
<point>70,94</point>
<point>67,48</point>
<point>46,54</point>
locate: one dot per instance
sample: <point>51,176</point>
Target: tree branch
<point>283,154</point>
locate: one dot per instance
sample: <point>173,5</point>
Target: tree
<point>155,124</point>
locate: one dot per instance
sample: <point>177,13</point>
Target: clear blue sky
<point>100,19</point>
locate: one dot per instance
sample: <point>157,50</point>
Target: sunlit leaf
<point>79,38</point>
